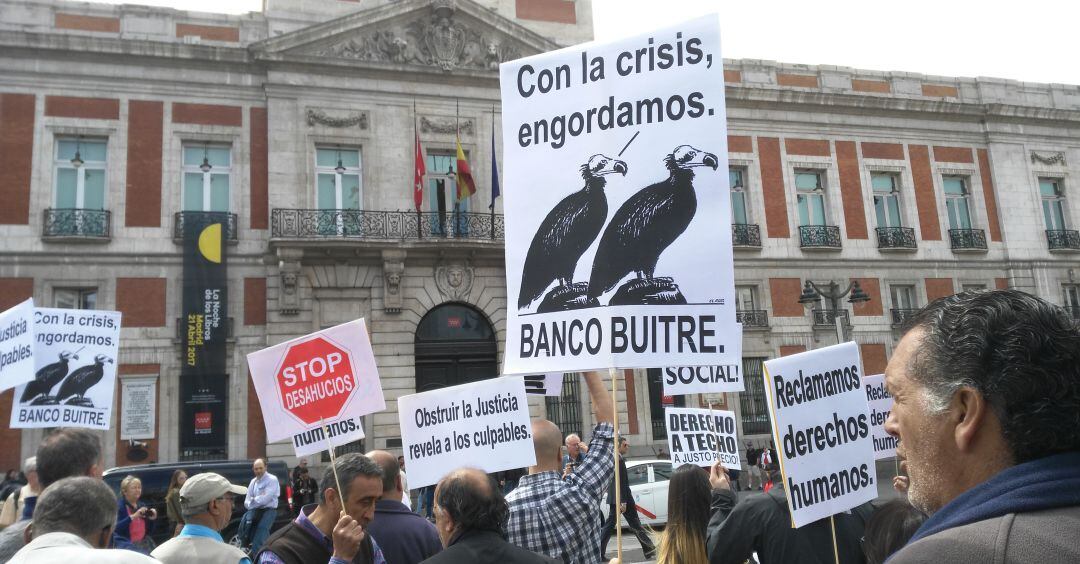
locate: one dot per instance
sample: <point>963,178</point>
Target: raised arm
<point>601,398</point>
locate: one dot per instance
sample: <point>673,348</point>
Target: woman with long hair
<point>689,496</point>
<point>172,501</point>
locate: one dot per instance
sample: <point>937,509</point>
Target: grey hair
<point>191,511</point>
<point>30,465</point>
<point>1021,353</point>
<point>575,435</point>
<point>81,506</point>
<point>349,467</point>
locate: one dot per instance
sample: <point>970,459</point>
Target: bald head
<point>391,473</point>
<point>547,442</point>
<point>469,500</point>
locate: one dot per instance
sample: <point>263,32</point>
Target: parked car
<point>649,484</point>
<point>155,479</point>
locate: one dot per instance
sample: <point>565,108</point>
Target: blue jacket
<point>404,537</point>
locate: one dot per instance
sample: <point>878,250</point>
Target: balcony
<point>826,319</point>
<point>752,318</point>
<point>382,225</point>
<point>1074,310</point>
<point>900,317</point>
<point>745,236</point>
<point>967,240</point>
<point>1063,240</point>
<point>896,239</point>
<point>77,225</point>
<point>819,237</point>
<point>180,219</point>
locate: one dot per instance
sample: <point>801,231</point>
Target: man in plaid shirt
<point>560,517</point>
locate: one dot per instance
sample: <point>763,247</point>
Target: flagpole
<point>457,167</point>
<point>493,172</point>
<point>416,141</point>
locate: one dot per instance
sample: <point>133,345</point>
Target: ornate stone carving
<point>439,40</point>
<point>289,293</point>
<point>319,117</point>
<point>454,280</point>
<point>1057,158</point>
<point>393,269</point>
<point>446,126</point>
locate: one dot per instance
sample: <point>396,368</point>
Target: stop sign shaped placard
<point>315,380</point>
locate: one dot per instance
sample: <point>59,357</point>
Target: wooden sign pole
<point>618,497</point>
<point>333,465</point>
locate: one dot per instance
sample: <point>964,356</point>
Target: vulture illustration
<point>648,222</point>
<point>569,228</point>
<point>81,380</point>
<point>47,378</point>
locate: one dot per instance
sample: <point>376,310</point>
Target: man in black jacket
<point>762,524</point>
<point>626,508</point>
<point>471,515</point>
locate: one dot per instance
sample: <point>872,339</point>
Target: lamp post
<point>812,293</point>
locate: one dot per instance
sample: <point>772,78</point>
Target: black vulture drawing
<point>37,390</point>
<point>647,223</point>
<point>567,231</point>
<point>81,380</point>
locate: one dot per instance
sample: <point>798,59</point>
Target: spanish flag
<point>466,186</point>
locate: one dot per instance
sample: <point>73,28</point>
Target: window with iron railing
<point>564,410</point>
<point>753,405</point>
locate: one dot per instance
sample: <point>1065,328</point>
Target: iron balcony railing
<point>745,235</point>
<point>827,318</point>
<point>819,236</point>
<point>1074,310</point>
<point>1063,239</point>
<point>752,318</point>
<point>204,218</point>
<point>365,224</point>
<point>901,316</point>
<point>896,238</point>
<point>967,239</point>
<point>77,224</point>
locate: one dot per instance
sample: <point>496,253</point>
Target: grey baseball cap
<point>205,487</point>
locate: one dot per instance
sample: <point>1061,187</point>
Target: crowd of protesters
<point>986,388</point>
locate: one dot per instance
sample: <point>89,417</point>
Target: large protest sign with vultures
<point>880,402</point>
<point>481,425</point>
<point>74,378</point>
<point>618,217</point>
<point>314,390</point>
<point>702,437</point>
<point>682,380</point>
<point>821,426</point>
<point>17,345</point>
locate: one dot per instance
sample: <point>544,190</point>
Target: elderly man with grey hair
<point>334,530</point>
<point>206,503</point>
<point>73,522</point>
<point>16,502</point>
<point>986,391</point>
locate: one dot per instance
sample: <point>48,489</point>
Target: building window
<point>564,410</point>
<point>442,182</point>
<point>745,298</point>
<point>658,401</point>
<point>886,199</point>
<point>752,403</point>
<point>737,180</point>
<point>337,172</point>
<point>956,201</point>
<point>1053,203</point>
<point>810,197</point>
<point>75,298</point>
<point>1072,299</point>
<point>206,177</point>
<point>80,174</point>
<point>903,297</point>
<point>972,287</point>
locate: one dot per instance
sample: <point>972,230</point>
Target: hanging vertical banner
<point>880,402</point>
<point>74,377</point>
<point>821,427</point>
<point>17,345</point>
<point>618,212</point>
<point>204,319</point>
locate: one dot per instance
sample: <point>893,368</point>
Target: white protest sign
<point>702,436</point>
<point>328,376</point>
<point>75,362</point>
<point>481,425</point>
<point>618,213</point>
<point>880,403</point>
<point>682,380</point>
<point>549,384</point>
<point>17,345</point>
<point>821,427</point>
<point>138,408</point>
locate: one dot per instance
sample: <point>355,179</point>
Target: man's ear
<point>400,487</point>
<point>105,537</point>
<point>28,533</point>
<point>970,412</point>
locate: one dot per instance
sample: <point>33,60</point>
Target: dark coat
<point>626,496</point>
<point>403,536</point>
<point>486,547</point>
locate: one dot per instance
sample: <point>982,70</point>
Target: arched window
<point>455,344</point>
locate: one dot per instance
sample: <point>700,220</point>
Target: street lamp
<point>812,293</point>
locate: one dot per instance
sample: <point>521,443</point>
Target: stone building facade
<point>915,186</point>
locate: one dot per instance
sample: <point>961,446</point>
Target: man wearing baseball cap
<point>206,502</point>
